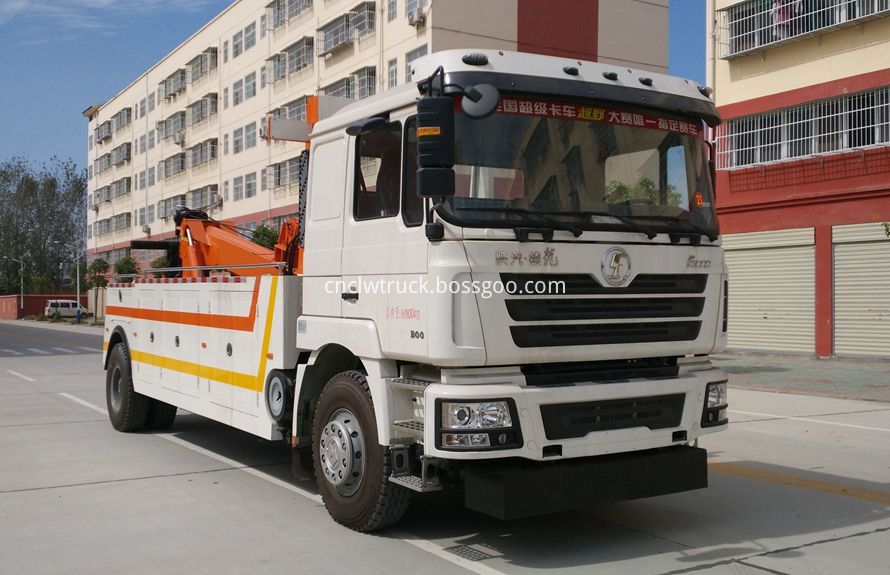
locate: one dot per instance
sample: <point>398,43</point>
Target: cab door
<point>384,256</point>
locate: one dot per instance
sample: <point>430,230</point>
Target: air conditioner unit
<point>416,18</point>
<point>179,139</point>
<point>146,229</point>
<point>95,206</point>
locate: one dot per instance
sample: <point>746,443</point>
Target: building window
<point>202,109</point>
<point>262,76</point>
<point>225,51</point>
<point>142,108</point>
<point>225,144</point>
<point>755,25</point>
<point>237,44</point>
<point>262,26</point>
<point>365,82</point>
<point>225,98</point>
<point>392,10</point>
<point>335,34</point>
<point>238,141</point>
<point>151,102</point>
<point>848,122</point>
<point>151,139</point>
<point>294,110</point>
<point>250,36</point>
<point>344,88</point>
<point>202,64</point>
<point>414,7</point>
<point>250,135</point>
<point>142,142</point>
<point>250,185</point>
<point>410,57</point>
<point>238,188</point>
<point>392,73</point>
<point>151,176</point>
<point>250,86</point>
<point>363,19</point>
<point>150,215</point>
<point>238,92</point>
<point>299,55</point>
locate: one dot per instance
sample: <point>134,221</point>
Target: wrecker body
<point>506,278</point>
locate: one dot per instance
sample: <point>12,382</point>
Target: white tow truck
<point>506,278</point>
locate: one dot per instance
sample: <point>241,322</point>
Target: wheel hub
<point>116,389</point>
<point>276,397</point>
<point>341,452</point>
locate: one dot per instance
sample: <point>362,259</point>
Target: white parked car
<point>64,307</point>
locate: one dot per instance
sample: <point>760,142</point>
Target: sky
<point>57,57</point>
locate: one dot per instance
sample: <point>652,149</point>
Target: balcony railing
<point>756,25</point>
<point>830,126</point>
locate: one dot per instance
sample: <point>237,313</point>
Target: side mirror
<point>366,126</point>
<point>480,101</point>
<point>435,147</point>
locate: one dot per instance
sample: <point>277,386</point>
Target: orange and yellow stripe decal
<point>252,382</point>
<point>238,323</point>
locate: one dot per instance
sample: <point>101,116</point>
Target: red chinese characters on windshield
<point>547,109</point>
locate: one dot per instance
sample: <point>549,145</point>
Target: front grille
<point>586,284</point>
<point>606,308</point>
<point>648,297</point>
<point>605,371</point>
<point>568,420</point>
<point>603,333</point>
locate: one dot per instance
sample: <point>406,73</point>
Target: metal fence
<point>827,126</point>
<point>756,24</point>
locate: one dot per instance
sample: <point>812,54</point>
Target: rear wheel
<point>351,467</point>
<point>127,409</point>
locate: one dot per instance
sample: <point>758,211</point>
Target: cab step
<point>412,428</point>
<point>415,483</point>
<point>407,383</point>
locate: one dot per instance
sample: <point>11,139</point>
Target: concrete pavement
<point>799,484</point>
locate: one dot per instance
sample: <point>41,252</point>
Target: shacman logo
<point>615,266</point>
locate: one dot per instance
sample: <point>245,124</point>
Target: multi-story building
<point>187,131</point>
<point>803,180</point>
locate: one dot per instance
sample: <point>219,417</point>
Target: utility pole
<point>76,249</point>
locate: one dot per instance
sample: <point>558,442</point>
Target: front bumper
<point>529,400</point>
<point>515,489</point>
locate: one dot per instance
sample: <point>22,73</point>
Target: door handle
<point>349,296</point>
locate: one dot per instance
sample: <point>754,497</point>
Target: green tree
<point>126,265</point>
<point>39,206</point>
<point>160,262</point>
<point>643,192</point>
<point>887,229</point>
<point>265,236</point>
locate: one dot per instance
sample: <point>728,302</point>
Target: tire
<point>127,409</point>
<point>372,502</point>
<point>160,415</point>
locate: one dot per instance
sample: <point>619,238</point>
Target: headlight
<point>714,412</point>
<point>483,415</point>
<point>477,425</point>
<point>717,394</point>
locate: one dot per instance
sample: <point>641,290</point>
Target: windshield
<point>547,164</point>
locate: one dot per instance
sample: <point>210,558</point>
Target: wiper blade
<point>650,233</point>
<point>557,224</point>
<point>700,230</point>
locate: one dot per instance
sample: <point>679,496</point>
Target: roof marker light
<point>610,75</point>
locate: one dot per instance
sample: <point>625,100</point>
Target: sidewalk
<point>82,328</point>
<point>850,378</point>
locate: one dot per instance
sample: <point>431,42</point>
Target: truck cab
<point>558,300</point>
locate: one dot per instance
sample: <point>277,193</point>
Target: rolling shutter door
<point>772,295</point>
<point>861,290</point>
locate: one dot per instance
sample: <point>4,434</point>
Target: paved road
<point>20,339</point>
<point>799,484</point>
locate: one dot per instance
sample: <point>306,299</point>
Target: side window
<point>412,204</point>
<point>378,173</point>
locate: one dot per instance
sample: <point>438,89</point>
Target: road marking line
<point>810,420</point>
<point>422,544</point>
<point>63,350</point>
<point>11,351</point>
<point>17,374</point>
<point>40,351</point>
<point>863,493</point>
<point>86,404</point>
<point>89,349</point>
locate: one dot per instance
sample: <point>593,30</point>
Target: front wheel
<point>351,467</point>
